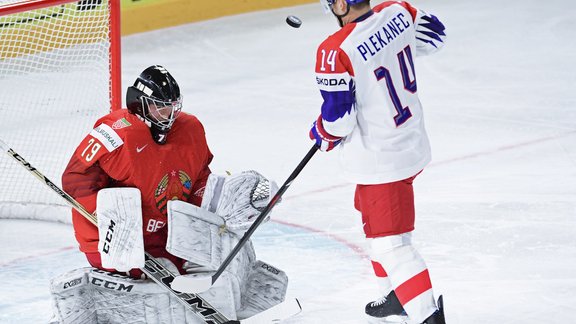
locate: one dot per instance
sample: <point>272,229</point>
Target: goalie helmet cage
<point>59,72</point>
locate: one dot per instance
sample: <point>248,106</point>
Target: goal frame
<point>55,211</point>
<point>114,34</point>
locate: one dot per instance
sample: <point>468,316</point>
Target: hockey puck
<point>294,21</point>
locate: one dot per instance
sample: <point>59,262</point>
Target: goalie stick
<point>164,277</point>
<point>196,284</point>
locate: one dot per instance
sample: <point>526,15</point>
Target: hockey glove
<point>324,141</point>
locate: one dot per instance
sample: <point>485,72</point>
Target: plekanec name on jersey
<point>375,43</point>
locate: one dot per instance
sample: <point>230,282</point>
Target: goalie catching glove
<point>239,198</point>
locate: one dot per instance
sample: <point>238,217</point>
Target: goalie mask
<point>155,96</point>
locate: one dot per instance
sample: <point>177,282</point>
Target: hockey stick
<point>152,268</point>
<point>274,314</point>
<point>200,283</point>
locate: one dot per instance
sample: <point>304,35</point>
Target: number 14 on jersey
<point>409,80</point>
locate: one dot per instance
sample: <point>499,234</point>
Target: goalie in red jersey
<point>151,146</point>
<point>145,171</point>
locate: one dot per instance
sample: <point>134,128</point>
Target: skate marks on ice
<point>312,260</point>
<point>32,253</point>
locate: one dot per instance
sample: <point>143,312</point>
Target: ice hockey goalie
<point>200,236</point>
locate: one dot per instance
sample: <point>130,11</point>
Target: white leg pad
<point>225,294</point>
<point>72,301</point>
<point>88,295</point>
<point>266,287</point>
<point>121,241</point>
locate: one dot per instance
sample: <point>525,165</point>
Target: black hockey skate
<point>438,316</point>
<point>385,307</point>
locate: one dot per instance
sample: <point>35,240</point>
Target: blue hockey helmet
<point>352,2</point>
<point>327,3</point>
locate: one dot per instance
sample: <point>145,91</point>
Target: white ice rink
<point>496,209</point>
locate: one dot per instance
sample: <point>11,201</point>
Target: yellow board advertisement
<point>143,15</point>
<point>84,22</point>
<point>53,28</point>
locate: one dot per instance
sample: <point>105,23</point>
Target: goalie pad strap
<point>212,192</point>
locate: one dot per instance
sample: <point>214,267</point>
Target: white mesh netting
<point>54,83</point>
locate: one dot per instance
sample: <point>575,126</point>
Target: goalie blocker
<point>121,241</point>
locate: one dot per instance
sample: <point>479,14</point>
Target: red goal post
<point>60,69</point>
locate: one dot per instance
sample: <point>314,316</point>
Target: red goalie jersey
<point>120,152</point>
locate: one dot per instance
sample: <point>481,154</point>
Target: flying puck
<point>294,21</point>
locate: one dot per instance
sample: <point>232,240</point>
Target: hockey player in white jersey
<point>366,75</point>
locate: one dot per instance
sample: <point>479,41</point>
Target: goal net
<point>59,72</point>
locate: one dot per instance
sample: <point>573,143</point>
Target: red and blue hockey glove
<point>324,141</point>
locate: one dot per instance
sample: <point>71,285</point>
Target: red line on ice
<point>361,251</point>
<point>35,256</point>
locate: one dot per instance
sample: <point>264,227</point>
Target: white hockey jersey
<point>366,76</point>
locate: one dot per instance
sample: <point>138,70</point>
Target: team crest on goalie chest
<point>176,185</point>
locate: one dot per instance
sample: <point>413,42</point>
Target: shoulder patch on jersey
<point>121,123</point>
<point>330,57</point>
<point>107,136</point>
<point>333,60</point>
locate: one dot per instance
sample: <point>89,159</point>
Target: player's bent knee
<point>388,243</point>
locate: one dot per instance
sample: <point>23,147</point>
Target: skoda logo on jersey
<point>331,82</point>
<point>176,185</point>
